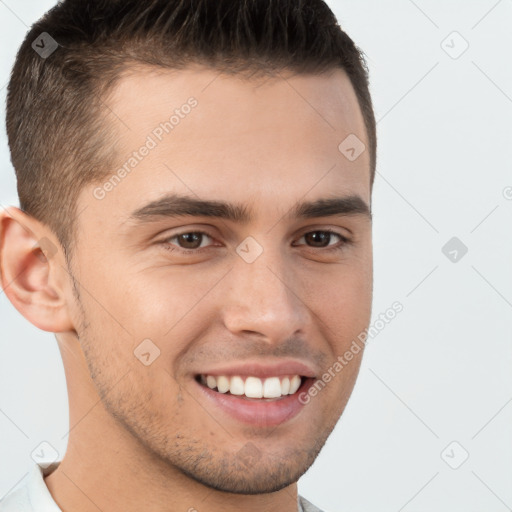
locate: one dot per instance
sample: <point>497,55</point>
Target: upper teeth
<point>253,387</point>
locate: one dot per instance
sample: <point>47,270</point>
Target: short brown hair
<point>57,136</point>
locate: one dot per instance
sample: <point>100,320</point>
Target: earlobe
<point>28,256</point>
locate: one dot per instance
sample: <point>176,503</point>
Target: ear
<point>33,271</point>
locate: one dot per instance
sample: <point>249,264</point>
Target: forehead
<point>144,95</point>
<point>222,136</point>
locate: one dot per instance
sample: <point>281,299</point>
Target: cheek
<point>342,301</point>
<point>143,303</point>
<point>158,312</point>
<point>347,302</point>
<point>342,313</point>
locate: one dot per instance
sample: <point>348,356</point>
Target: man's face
<point>268,296</point>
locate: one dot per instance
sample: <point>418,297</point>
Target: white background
<point>441,371</point>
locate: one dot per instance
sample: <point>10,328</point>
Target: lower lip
<point>258,412</point>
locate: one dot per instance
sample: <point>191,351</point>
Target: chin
<point>249,473</point>
<point>262,479</point>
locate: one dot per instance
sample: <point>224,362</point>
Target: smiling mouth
<point>253,388</point>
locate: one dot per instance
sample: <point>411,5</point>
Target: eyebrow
<point>173,205</point>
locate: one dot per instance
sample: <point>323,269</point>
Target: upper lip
<point>259,369</point>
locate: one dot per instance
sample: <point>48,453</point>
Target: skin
<point>140,436</point>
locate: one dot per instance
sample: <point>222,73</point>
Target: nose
<point>264,297</point>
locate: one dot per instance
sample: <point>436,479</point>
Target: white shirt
<point>33,494</point>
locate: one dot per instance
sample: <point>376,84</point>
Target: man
<point>195,227</point>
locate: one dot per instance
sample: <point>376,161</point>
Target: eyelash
<point>168,246</point>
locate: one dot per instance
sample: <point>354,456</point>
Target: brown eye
<point>318,238</point>
<point>322,239</point>
<point>190,240</point>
